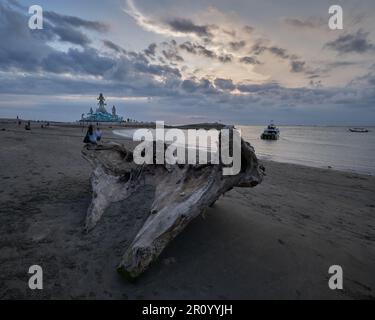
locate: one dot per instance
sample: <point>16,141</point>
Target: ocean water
<point>320,147</point>
<point>317,147</point>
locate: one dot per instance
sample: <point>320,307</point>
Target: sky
<point>236,62</point>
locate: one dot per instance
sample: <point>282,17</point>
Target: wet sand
<point>275,241</point>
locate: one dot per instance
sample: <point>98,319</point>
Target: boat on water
<point>271,132</point>
<point>360,130</point>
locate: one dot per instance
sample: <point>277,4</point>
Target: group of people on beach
<point>93,135</point>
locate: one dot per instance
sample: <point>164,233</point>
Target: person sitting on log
<point>90,137</point>
<point>99,134</point>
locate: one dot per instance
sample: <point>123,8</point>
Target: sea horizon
<point>332,147</point>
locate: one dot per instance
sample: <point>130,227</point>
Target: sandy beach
<point>275,241</point>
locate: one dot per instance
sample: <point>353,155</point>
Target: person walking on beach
<point>28,126</point>
<point>90,135</point>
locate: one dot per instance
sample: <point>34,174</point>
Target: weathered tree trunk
<point>182,192</point>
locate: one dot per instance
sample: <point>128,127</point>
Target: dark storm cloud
<point>67,34</point>
<point>86,62</point>
<point>224,84</point>
<point>237,45</point>
<point>68,28</point>
<point>203,86</point>
<point>56,27</point>
<point>172,55</point>
<point>352,43</point>
<point>225,58</point>
<point>59,19</point>
<point>198,50</point>
<point>187,26</point>
<point>340,64</point>
<point>365,81</point>
<point>260,48</point>
<point>279,52</point>
<point>297,66</point>
<point>206,52</point>
<point>113,46</point>
<point>258,88</point>
<point>19,47</point>
<point>23,50</point>
<point>249,60</point>
<point>189,47</point>
<point>151,50</point>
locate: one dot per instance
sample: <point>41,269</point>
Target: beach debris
<point>181,193</point>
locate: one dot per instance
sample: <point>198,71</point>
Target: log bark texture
<point>182,192</point>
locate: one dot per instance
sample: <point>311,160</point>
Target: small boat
<point>360,130</point>
<point>270,133</point>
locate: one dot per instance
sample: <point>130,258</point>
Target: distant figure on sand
<point>28,126</point>
<point>99,134</point>
<point>90,135</point>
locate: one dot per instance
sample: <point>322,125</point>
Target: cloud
<point>352,43</point>
<point>32,63</point>
<point>298,23</point>
<point>172,55</point>
<point>237,45</point>
<point>224,84</point>
<point>249,60</point>
<point>297,66</point>
<point>279,52</point>
<point>248,29</point>
<point>198,49</point>
<point>226,58</point>
<point>86,62</point>
<point>175,27</point>
<point>59,19</point>
<point>189,47</point>
<point>19,47</point>
<point>151,50</point>
<point>113,46</point>
<point>183,25</point>
<point>201,50</point>
<point>71,35</point>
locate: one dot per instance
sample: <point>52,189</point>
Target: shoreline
<point>110,135</point>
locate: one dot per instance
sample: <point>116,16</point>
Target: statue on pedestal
<point>101,104</point>
<point>101,114</point>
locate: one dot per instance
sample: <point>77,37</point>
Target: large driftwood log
<point>182,192</point>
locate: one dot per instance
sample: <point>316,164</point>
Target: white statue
<point>101,104</point>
